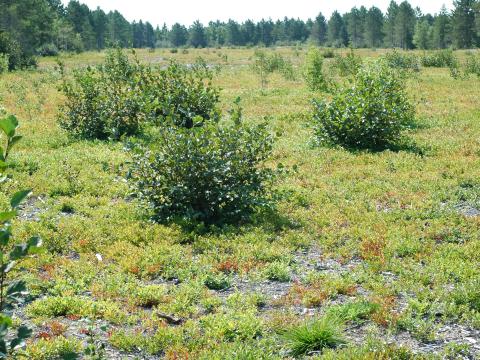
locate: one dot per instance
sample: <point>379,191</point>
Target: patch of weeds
<point>356,312</point>
<point>54,349</point>
<point>232,326</point>
<point>150,295</point>
<point>315,336</point>
<point>217,282</point>
<point>277,271</point>
<point>76,306</point>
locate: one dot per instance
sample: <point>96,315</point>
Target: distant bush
<point>347,65</point>
<point>17,58</point>
<point>118,97</point>
<point>48,50</point>
<point>105,101</point>
<point>265,64</point>
<point>372,113</point>
<point>313,71</point>
<point>174,51</point>
<point>3,63</point>
<point>440,59</point>
<point>472,65</point>
<point>328,54</point>
<point>398,60</point>
<point>210,174</point>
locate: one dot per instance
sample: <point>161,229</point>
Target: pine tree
<point>405,25</point>
<point>354,27</point>
<point>178,35</point>
<point>463,23</point>
<point>336,30</point>
<point>422,36</point>
<point>197,37</point>
<point>373,27</point>
<point>319,30</point>
<point>441,29</point>
<point>389,26</point>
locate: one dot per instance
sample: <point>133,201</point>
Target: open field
<point>392,238</point>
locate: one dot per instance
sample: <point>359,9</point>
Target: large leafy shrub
<point>118,97</point>
<point>212,174</point>
<point>104,101</point>
<point>472,65</point>
<point>371,113</point>
<point>179,94</point>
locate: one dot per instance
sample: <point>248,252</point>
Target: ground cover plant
<point>367,254</point>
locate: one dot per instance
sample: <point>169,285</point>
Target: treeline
<point>45,27</point>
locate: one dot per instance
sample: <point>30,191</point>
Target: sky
<point>186,12</point>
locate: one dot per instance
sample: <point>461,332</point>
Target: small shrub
<point>210,174</point>
<point>174,51</point>
<point>317,335</point>
<point>398,60</point>
<point>440,59</point>
<point>353,312</point>
<point>328,54</point>
<point>217,282</point>
<point>278,271</point>
<point>104,102</point>
<point>57,348</point>
<point>3,63</point>
<point>472,65</point>
<point>264,65</point>
<point>347,65</point>
<point>313,71</point>
<point>371,114</point>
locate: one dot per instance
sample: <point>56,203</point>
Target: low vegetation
<point>215,230</point>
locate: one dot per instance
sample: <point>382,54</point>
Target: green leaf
<point>19,197</point>
<point>9,125</point>
<point>19,251</point>
<point>7,216</point>
<point>4,236</point>
<point>2,154</point>
<point>23,333</point>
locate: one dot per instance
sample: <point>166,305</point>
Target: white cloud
<point>187,11</point>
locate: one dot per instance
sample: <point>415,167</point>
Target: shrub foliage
<point>118,97</point>
<point>313,71</point>
<point>372,113</point>
<point>211,174</point>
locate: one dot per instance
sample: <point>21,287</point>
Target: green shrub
<point>117,98</point>
<point>278,271</point>
<point>440,59</point>
<point>347,65</point>
<point>313,71</point>
<point>105,101</point>
<point>317,335</point>
<point>353,312</point>
<point>17,57</point>
<point>472,65</point>
<point>328,54</point>
<point>211,174</point>
<point>398,60</point>
<point>264,65</point>
<point>179,94</point>
<point>372,113</point>
<point>3,63</point>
